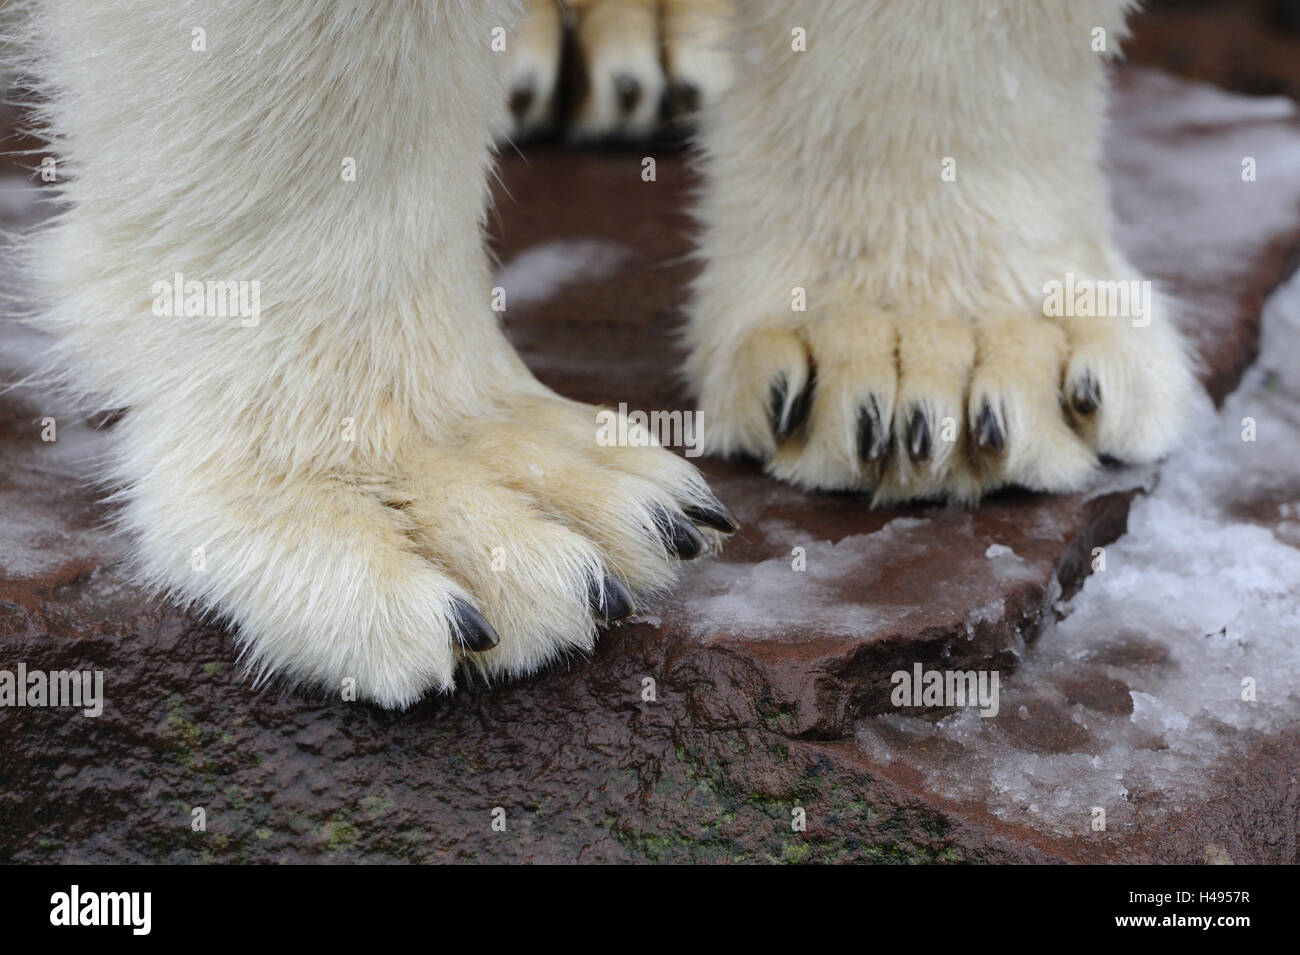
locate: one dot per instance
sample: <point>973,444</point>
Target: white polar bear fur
<point>466,479</point>
<point>340,560</point>
<point>823,171</point>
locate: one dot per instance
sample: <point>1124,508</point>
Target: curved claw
<point>680,536</point>
<point>715,515</point>
<point>988,430</point>
<point>918,436</point>
<point>611,600</point>
<point>472,629</point>
<point>1086,397</point>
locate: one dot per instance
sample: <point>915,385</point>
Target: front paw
<point>918,405</point>
<point>500,546</point>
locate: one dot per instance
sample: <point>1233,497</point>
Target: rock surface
<point>765,677</point>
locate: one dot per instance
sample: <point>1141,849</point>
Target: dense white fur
<point>333,478</point>
<point>823,172</point>
<point>463,477</point>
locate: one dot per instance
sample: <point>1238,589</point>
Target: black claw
<point>1087,395</point>
<point>683,540</point>
<point>988,432</point>
<point>521,100</point>
<point>611,600</point>
<point>628,90</point>
<point>801,405</point>
<point>684,99</point>
<point>715,514</point>
<point>918,436</point>
<point>789,416</point>
<point>776,406</point>
<point>871,432</point>
<point>474,633</point>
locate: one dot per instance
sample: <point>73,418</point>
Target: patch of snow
<point>774,597</point>
<point>800,591</point>
<point>536,274</point>
<point>991,612</point>
<point>1199,603</point>
<point>1168,212</point>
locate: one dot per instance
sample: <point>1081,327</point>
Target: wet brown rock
<point>1099,693</point>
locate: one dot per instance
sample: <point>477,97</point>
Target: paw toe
<point>622,82</point>
<point>1129,389</point>
<point>533,70</point>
